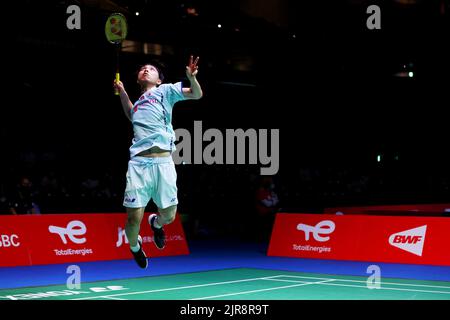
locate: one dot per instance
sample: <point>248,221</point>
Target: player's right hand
<point>118,85</point>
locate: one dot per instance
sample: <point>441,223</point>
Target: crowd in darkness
<point>208,193</point>
<point>61,156</point>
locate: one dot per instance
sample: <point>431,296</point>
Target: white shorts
<point>151,178</point>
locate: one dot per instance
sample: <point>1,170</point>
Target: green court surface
<point>239,284</point>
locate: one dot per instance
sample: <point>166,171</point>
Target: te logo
<point>74,228</point>
<point>323,227</point>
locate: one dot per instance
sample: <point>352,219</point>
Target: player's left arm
<point>195,91</point>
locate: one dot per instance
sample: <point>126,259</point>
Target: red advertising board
<point>413,240</point>
<point>63,238</point>
<point>437,209</point>
<point>13,242</point>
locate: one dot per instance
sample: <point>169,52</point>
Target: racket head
<point>116,28</point>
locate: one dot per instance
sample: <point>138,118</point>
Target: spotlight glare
<point>411,74</point>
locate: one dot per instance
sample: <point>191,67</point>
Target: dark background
<point>309,68</point>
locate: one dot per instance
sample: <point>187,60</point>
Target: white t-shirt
<point>152,118</point>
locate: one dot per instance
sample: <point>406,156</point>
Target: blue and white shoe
<point>139,256</point>
<point>159,236</point>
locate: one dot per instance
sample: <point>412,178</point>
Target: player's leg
<point>134,218</point>
<point>165,198</point>
<point>135,200</point>
<point>158,221</point>
<point>166,216</point>
<point>132,226</point>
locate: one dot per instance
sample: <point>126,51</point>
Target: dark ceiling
<point>267,63</point>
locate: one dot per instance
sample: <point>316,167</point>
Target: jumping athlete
<point>151,171</point>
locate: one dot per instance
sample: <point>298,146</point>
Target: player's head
<point>149,74</point>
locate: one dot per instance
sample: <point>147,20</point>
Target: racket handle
<point>116,91</point>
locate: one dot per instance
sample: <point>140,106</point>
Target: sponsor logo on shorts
<point>130,199</point>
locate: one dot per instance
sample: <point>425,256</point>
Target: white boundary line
<point>260,290</point>
<point>113,298</point>
<point>323,281</point>
<point>170,289</point>
<point>359,281</point>
<point>354,286</point>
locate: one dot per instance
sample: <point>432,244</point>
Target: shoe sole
<point>151,227</point>
<point>146,261</point>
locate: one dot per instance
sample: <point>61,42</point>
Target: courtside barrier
<point>412,240</point>
<point>61,238</point>
<point>438,209</point>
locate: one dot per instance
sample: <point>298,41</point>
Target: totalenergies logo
<point>73,231</point>
<point>322,228</point>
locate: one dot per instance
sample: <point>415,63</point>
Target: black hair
<point>157,66</point>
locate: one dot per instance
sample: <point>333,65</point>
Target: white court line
<point>112,298</point>
<point>171,289</point>
<point>345,280</point>
<point>260,290</point>
<point>354,286</point>
<point>270,278</point>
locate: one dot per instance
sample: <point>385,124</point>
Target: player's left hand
<point>192,68</point>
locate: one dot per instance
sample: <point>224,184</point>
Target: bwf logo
<point>411,240</point>
<point>74,228</point>
<point>323,227</point>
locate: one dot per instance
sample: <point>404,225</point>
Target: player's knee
<point>170,218</point>
<point>132,221</point>
<point>168,214</point>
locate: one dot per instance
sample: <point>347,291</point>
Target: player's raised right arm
<point>124,99</point>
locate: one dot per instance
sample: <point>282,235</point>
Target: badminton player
<point>151,171</point>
